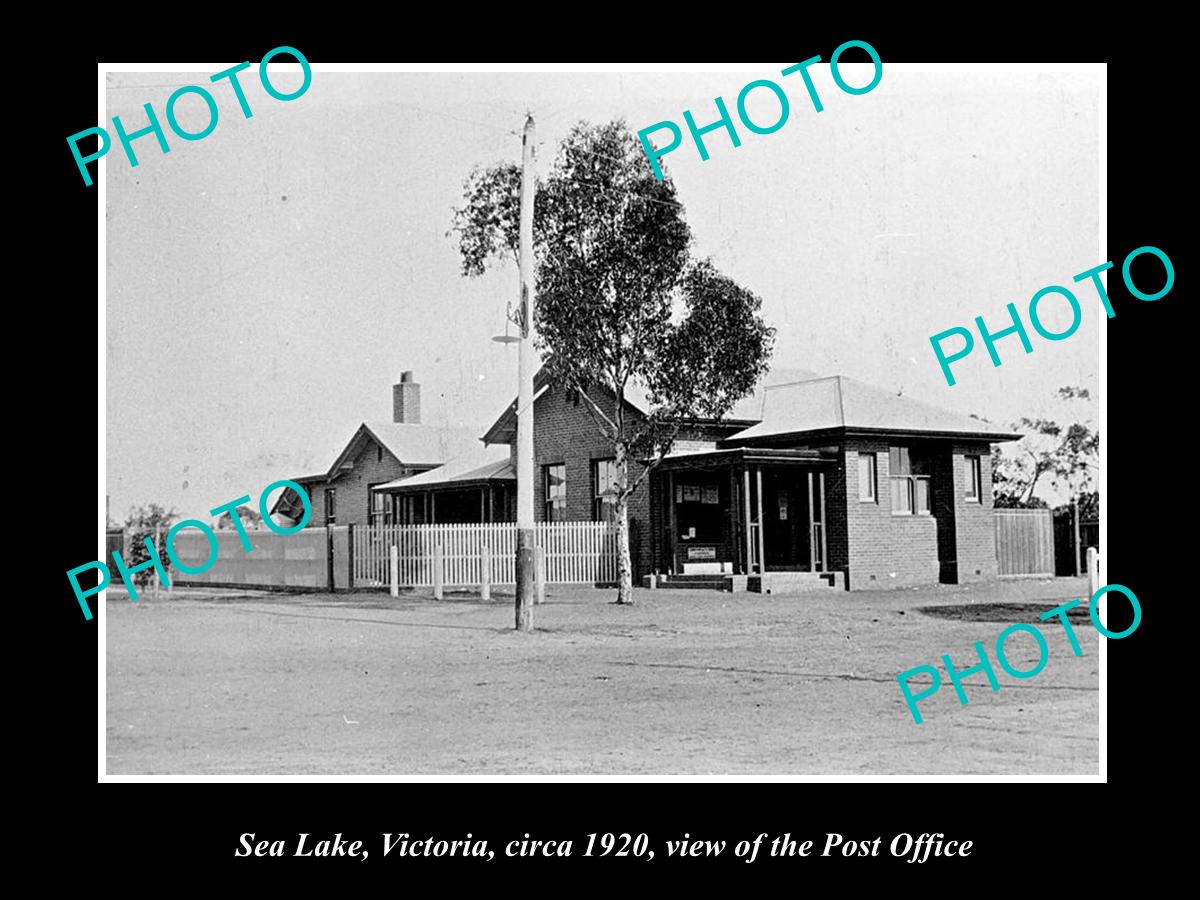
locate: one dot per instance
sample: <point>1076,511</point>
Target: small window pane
<point>974,477</point>
<point>902,495</point>
<point>918,464</point>
<point>923,498</point>
<point>898,460</point>
<point>556,492</point>
<point>866,476</point>
<point>604,476</point>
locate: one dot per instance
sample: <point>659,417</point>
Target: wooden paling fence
<point>574,553</point>
<point>1024,541</point>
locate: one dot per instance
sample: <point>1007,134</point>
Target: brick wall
<point>881,549</point>
<point>956,544</point>
<point>975,531</point>
<point>564,432</point>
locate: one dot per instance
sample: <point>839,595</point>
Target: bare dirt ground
<point>684,682</point>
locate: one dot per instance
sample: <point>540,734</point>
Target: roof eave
<point>843,431</point>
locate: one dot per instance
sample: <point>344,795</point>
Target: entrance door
<point>785,509</point>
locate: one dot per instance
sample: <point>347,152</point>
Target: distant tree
<point>251,519</point>
<point>141,524</point>
<point>1066,457</point>
<point>1089,507</point>
<point>619,299</point>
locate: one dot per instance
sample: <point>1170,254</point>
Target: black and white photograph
<point>548,421</point>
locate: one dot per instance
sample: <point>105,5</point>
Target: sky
<point>267,284</point>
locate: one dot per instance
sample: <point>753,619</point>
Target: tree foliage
<point>620,302</point>
<point>251,519</point>
<point>1064,456</point>
<point>141,524</point>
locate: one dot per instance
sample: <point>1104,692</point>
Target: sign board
<point>701,552</point>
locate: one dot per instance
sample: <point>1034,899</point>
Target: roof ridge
<point>771,387</point>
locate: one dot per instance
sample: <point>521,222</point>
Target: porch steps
<point>795,582</point>
<point>713,582</point>
<point>770,583</point>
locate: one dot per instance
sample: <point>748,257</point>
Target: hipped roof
<point>837,403</point>
<point>797,402</point>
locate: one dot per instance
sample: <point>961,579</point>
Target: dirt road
<point>685,682</point>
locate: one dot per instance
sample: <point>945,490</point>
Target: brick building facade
<point>811,475</point>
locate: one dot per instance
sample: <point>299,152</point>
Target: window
<point>910,483</point>
<point>378,454</point>
<point>377,506</point>
<point>330,506</point>
<point>604,497</point>
<point>867,476</point>
<point>555,483</point>
<point>974,473</point>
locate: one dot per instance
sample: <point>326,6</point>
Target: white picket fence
<point>574,553</point>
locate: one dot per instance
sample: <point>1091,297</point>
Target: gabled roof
<point>411,445</point>
<point>837,403</point>
<point>475,467</point>
<point>746,410</point>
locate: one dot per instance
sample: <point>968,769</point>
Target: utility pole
<point>526,563</point>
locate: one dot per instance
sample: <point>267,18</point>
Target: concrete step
<point>794,582</point>
<point>694,582</point>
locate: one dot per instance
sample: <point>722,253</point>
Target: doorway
<point>794,514</point>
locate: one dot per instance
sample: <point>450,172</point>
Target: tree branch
<point>663,448</point>
<point>606,425</point>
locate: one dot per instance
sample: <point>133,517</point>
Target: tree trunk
<point>624,563</point>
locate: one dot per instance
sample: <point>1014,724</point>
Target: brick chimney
<point>406,400</point>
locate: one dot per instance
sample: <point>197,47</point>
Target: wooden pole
<point>329,555</point>
<point>812,527</point>
<point>746,510</point>
<point>824,545</point>
<point>1075,525</point>
<point>437,572</point>
<point>762,543</point>
<point>485,573</point>
<point>762,525</point>
<point>350,569</point>
<point>395,571</point>
<point>525,560</point>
